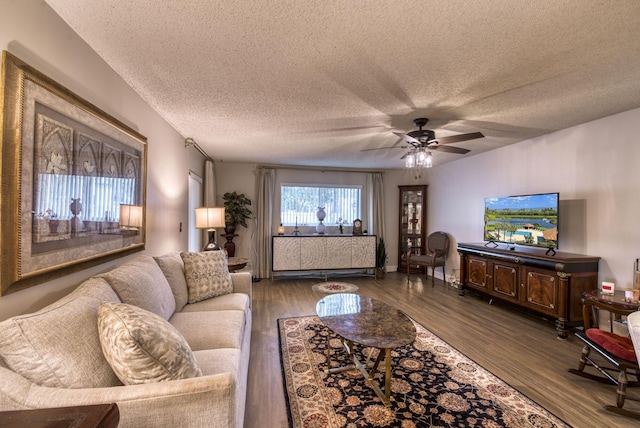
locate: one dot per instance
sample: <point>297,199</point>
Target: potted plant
<point>235,210</point>
<point>381,258</point>
<point>235,213</point>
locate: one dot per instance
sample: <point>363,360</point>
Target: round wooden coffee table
<point>368,322</point>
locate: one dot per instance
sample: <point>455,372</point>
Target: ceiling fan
<point>426,139</point>
<point>423,141</point>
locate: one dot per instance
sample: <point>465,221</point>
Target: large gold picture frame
<point>68,171</point>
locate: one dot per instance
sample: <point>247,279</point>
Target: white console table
<point>323,252</point>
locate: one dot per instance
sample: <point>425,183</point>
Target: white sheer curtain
<point>376,199</point>
<point>209,199</point>
<point>266,179</point>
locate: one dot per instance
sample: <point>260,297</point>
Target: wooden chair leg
<point>583,357</point>
<point>433,276</point>
<point>622,388</point>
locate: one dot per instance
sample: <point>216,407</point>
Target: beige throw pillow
<point>207,275</point>
<point>141,347</point>
<point>58,346</point>
<point>140,282</point>
<point>173,268</point>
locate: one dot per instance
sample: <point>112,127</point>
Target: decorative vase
<point>320,228</point>
<point>230,246</point>
<point>53,227</point>
<point>76,208</point>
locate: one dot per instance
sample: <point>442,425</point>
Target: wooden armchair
<point>437,250</point>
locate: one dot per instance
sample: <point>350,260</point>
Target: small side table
<point>95,416</point>
<point>614,303</point>
<point>236,263</point>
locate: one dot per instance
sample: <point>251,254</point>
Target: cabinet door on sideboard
<point>477,272</point>
<point>541,290</point>
<point>338,252</point>
<point>286,253</point>
<point>312,253</point>
<point>363,251</point>
<point>505,280</point>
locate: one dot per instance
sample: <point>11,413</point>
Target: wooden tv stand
<point>527,277</point>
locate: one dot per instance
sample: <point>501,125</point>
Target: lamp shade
<point>130,215</point>
<point>209,217</point>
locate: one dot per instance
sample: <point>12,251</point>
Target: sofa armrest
<point>242,282</point>
<point>195,402</point>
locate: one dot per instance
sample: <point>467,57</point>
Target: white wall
<point>30,30</point>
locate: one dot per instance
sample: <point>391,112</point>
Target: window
<point>299,203</point>
<point>100,196</point>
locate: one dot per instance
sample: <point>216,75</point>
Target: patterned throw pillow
<point>207,275</point>
<point>141,347</point>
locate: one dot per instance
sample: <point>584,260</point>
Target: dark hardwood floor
<point>521,348</point>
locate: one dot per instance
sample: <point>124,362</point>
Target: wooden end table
<point>367,322</point>
<point>94,416</point>
<point>615,303</point>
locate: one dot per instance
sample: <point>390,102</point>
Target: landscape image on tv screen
<point>524,220</point>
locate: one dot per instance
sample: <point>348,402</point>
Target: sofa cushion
<point>210,330</point>
<point>216,361</point>
<point>233,301</point>
<point>140,282</point>
<point>58,346</point>
<point>172,267</point>
<point>620,346</point>
<point>207,275</point>
<point>143,347</point>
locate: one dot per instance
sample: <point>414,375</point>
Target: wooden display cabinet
<point>412,224</point>
<point>527,277</point>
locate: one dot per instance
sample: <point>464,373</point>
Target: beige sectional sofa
<point>60,356</point>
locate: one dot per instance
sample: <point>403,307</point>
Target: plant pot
<point>380,273</point>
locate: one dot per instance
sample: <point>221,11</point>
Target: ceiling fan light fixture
<point>410,161</point>
<point>429,160</point>
<point>421,158</point>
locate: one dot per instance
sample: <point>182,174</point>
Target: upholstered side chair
<point>436,255</point>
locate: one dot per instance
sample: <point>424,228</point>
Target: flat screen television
<point>523,220</point>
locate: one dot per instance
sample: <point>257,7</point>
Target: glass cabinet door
<point>413,214</point>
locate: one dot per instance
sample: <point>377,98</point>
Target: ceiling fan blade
<point>450,149</point>
<point>384,148</point>
<point>459,138</point>
<point>408,138</point>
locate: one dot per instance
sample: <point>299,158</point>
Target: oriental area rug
<point>335,287</point>
<point>433,385</point>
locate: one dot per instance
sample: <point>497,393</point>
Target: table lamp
<point>130,217</point>
<point>209,218</point>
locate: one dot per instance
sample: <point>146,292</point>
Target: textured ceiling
<point>315,82</point>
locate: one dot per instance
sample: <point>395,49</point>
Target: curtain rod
<point>319,168</point>
<point>191,142</point>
